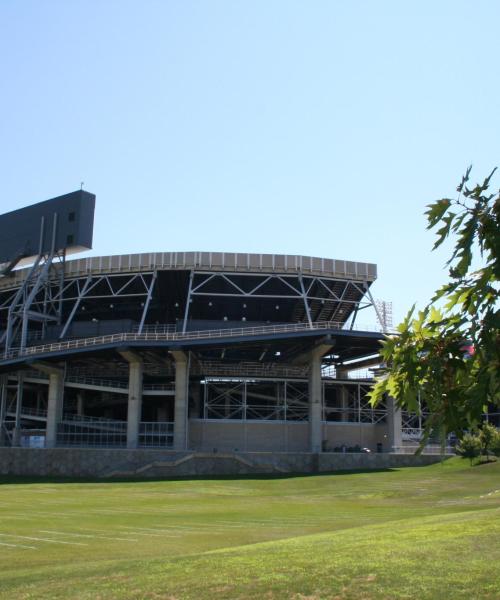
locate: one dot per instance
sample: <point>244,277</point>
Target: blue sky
<point>317,128</point>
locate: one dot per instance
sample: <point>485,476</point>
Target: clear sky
<point>320,128</point>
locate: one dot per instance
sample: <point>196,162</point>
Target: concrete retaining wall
<point>64,462</point>
<point>272,436</point>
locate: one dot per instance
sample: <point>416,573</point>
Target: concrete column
<point>39,399</point>
<point>3,407</point>
<point>16,438</point>
<point>394,424</point>
<point>195,393</point>
<point>55,399</point>
<point>80,404</point>
<point>344,403</point>
<point>315,404</point>
<point>343,394</point>
<point>54,406</point>
<point>181,400</point>
<point>134,410</point>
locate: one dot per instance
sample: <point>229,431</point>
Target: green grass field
<point>428,532</point>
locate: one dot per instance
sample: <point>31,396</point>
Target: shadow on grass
<point>26,480</point>
<point>486,461</point>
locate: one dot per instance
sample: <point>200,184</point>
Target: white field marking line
<point>42,514</point>
<point>147,534</point>
<point>18,546</point>
<point>86,535</point>
<point>134,532</point>
<point>186,528</point>
<point>37,539</point>
<point>16,517</point>
<point>165,532</point>
<point>111,511</point>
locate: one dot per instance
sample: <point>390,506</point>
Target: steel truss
<point>322,298</point>
<point>35,300</point>
<point>285,400</point>
<point>44,296</point>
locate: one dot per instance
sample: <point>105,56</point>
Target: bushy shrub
<point>487,436</point>
<point>469,447</point>
<point>495,444</point>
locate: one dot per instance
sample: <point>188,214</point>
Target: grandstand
<point>184,351</point>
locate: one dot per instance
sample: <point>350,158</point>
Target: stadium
<point>184,352</point>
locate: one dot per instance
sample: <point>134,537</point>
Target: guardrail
<point>97,382</point>
<point>427,449</point>
<point>412,433</point>
<point>30,411</point>
<point>173,336</point>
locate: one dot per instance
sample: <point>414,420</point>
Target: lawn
<point>427,532</point>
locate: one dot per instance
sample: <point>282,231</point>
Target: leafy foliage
<point>495,444</point>
<point>488,439</point>
<point>469,447</point>
<point>448,355</point>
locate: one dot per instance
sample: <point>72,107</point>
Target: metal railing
<point>156,434</point>
<point>251,369</point>
<point>100,422</point>
<point>77,430</point>
<point>427,449</point>
<point>96,381</point>
<point>30,412</point>
<point>159,387</point>
<point>117,338</point>
<point>412,433</point>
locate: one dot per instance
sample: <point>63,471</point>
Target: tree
<point>487,438</point>
<point>495,444</point>
<point>469,447</point>
<point>450,351</point>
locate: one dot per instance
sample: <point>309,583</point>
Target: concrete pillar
<point>3,407</point>
<point>39,399</point>
<point>134,407</point>
<point>54,406</point>
<point>394,425</point>
<point>315,404</point>
<point>134,410</point>
<point>80,403</point>
<point>16,438</point>
<point>181,400</point>
<point>55,400</point>
<point>344,403</point>
<point>343,395</point>
<point>195,395</point>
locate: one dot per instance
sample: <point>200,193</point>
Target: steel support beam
<point>69,320</point>
<point>188,302</point>
<point>377,312</point>
<point>148,302</point>
<point>306,301</point>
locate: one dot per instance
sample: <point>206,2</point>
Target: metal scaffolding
<point>286,400</point>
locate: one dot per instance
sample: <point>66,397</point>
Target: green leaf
<point>436,211</point>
